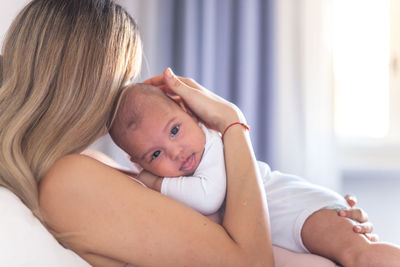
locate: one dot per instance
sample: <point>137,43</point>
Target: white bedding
<point>25,242</point>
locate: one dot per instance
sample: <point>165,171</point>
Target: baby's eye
<point>155,154</point>
<point>174,130</point>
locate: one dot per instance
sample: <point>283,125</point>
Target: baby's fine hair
<point>129,115</point>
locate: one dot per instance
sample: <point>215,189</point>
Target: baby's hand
<point>150,180</point>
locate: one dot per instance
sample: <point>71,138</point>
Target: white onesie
<point>291,199</point>
<point>205,190</point>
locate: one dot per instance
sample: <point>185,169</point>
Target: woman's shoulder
<point>64,176</point>
<point>80,172</point>
<point>71,169</point>
<point>70,160</point>
<point>83,198</point>
<point>72,181</point>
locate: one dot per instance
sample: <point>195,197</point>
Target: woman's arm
<point>245,197</point>
<point>106,216</point>
<point>111,216</point>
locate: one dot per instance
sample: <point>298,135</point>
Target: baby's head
<point>157,133</point>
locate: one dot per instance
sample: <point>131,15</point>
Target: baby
<point>166,141</point>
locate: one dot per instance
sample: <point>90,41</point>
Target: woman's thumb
<point>169,74</point>
<point>173,82</point>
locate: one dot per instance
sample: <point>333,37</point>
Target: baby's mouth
<point>189,163</point>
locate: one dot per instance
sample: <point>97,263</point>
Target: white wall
<point>8,11</point>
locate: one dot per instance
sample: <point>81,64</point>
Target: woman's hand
<point>359,215</point>
<point>215,111</point>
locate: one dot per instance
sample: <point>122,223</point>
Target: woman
<point>65,64</point>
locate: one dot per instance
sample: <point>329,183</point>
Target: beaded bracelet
<point>236,123</point>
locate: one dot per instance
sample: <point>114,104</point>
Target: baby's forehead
<point>140,94</point>
<point>139,101</point>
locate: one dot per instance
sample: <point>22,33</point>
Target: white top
<point>205,190</point>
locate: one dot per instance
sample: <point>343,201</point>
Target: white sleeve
<point>205,190</point>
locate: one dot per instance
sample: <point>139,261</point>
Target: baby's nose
<point>176,153</point>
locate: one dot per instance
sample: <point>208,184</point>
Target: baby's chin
<point>188,173</point>
<point>175,174</point>
<point>190,169</point>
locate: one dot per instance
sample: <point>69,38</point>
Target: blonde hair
<point>64,65</point>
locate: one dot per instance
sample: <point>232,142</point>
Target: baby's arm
<point>205,190</point>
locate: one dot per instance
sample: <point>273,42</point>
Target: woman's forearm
<point>246,207</point>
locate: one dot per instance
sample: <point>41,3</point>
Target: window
<point>361,44</point>
<point>365,56</point>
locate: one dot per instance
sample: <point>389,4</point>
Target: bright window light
<point>361,43</point>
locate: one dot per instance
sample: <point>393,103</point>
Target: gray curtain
<point>225,45</point>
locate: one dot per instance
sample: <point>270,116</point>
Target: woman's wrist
<point>236,123</point>
<point>233,115</point>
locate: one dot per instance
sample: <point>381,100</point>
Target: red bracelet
<point>247,127</point>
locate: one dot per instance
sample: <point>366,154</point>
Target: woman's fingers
<point>156,80</point>
<point>159,82</point>
<point>363,228</point>
<point>209,107</point>
<point>351,200</point>
<point>358,215</point>
<point>372,237</point>
<point>181,86</point>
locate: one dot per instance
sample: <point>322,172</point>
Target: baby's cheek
<point>161,168</point>
<point>201,137</point>
<point>146,166</point>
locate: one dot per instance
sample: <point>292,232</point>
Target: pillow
<point>24,241</point>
